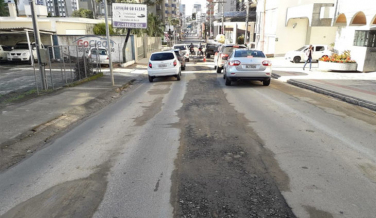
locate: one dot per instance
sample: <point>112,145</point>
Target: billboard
<point>132,16</point>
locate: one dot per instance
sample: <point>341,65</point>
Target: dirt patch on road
<point>77,198</point>
<point>222,169</point>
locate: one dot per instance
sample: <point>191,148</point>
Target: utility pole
<point>210,14</point>
<point>108,42</point>
<point>38,44</point>
<point>223,17</point>
<point>246,21</point>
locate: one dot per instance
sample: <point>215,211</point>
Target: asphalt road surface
<point>197,148</point>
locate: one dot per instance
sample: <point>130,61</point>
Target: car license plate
<point>162,65</point>
<point>250,66</point>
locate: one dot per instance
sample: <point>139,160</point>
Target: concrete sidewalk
<point>355,87</point>
<point>24,119</point>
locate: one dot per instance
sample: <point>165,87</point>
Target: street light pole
<point>108,42</point>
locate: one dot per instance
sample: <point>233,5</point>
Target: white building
<point>356,23</point>
<point>285,25</point>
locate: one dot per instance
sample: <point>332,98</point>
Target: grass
<point>20,96</point>
<point>94,77</point>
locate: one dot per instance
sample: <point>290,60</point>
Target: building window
<point>365,38</point>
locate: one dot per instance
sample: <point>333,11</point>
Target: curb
<point>342,97</point>
<point>275,76</point>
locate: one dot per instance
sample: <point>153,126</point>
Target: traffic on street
<point>210,134</point>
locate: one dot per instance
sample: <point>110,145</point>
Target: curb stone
<point>346,98</point>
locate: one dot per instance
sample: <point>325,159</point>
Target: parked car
<point>246,64</point>
<point>180,57</point>
<point>318,51</point>
<point>185,50</point>
<point>221,56</point>
<point>98,56</point>
<point>211,48</point>
<point>162,64</point>
<point>21,52</point>
<point>4,50</point>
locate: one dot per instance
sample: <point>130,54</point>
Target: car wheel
<point>188,60</point>
<point>178,76</point>
<point>183,68</point>
<point>297,59</point>
<point>228,82</point>
<point>207,55</point>
<point>266,82</point>
<point>219,69</point>
<point>151,79</point>
<point>224,76</point>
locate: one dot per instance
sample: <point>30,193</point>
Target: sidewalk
<point>356,87</point>
<point>24,119</point>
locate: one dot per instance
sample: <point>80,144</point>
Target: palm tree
<point>155,26</point>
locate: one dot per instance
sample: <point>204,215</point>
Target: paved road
<point>197,148</point>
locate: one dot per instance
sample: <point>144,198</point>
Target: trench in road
<point>222,168</point>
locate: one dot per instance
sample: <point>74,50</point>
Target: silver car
<point>245,64</point>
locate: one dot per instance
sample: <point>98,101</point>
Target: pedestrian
<point>308,54</point>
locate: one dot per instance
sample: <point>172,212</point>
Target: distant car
<point>184,49</point>
<point>21,52</point>
<point>318,51</point>
<point>99,56</point>
<point>162,64</point>
<point>246,64</point>
<point>211,48</point>
<point>4,50</point>
<point>180,57</point>
<point>141,15</point>
<point>221,56</point>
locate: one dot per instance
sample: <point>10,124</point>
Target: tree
<point>100,29</point>
<point>85,13</point>
<point>155,26</point>
<point>4,12</point>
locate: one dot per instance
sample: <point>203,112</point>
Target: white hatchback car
<point>245,64</point>
<point>98,56</point>
<point>164,64</point>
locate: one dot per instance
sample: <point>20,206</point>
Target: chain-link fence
<point>67,64</point>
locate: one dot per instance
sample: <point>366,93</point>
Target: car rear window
<point>230,49</point>
<point>162,57</point>
<point>246,53</point>
<point>177,53</point>
<point>179,47</point>
<point>100,51</point>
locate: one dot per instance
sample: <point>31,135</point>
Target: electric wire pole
<point>246,21</point>
<point>38,44</point>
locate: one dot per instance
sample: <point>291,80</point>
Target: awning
<point>17,30</point>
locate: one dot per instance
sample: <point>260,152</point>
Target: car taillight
<point>175,63</point>
<point>150,65</point>
<point>235,63</point>
<point>224,56</point>
<point>266,63</point>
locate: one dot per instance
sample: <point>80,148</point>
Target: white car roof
<point>163,52</point>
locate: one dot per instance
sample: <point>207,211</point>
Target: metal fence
<point>62,66</point>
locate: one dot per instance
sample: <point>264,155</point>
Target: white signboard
<point>133,16</point>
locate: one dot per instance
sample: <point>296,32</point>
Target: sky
<point>189,5</point>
